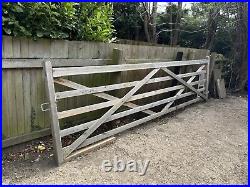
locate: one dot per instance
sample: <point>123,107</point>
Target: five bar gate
<point>193,84</point>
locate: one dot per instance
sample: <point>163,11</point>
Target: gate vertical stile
<point>55,128</point>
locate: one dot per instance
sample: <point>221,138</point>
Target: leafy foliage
<point>81,21</point>
<point>127,23</point>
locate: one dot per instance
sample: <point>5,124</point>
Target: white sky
<point>162,5</point>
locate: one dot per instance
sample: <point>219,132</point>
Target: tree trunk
<point>177,25</point>
<point>146,28</point>
<point>149,21</point>
<point>212,27</point>
<point>153,25</point>
<point>171,24</point>
<point>242,30</point>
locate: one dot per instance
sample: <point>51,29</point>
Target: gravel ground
<point>204,143</point>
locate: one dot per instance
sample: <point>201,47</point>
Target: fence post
<point>118,77</point>
<point>211,70</point>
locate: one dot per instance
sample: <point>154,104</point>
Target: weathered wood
<point>79,92</point>
<point>7,47</point>
<point>27,100</point>
<point>38,63</point>
<point>91,148</point>
<point>161,91</point>
<point>138,61</point>
<point>57,144</point>
<point>19,102</point>
<point>135,123</point>
<point>26,55</point>
<point>220,84</point>
<point>182,90</point>
<point>26,137</point>
<point>5,107</point>
<point>184,82</point>
<point>76,111</point>
<point>74,85</point>
<point>207,79</point>
<point>118,115</point>
<point>59,72</point>
<point>79,49</point>
<point>13,123</point>
<point>81,110</point>
<point>67,150</point>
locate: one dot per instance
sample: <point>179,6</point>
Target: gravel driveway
<point>204,143</point>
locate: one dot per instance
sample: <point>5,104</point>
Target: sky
<point>162,5</point>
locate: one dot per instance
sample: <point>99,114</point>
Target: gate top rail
<point>59,72</point>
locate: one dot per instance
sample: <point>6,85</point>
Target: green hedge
<point>73,21</point>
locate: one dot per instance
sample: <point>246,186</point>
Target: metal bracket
<point>44,109</point>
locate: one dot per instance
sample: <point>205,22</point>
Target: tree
<point>241,46</point>
<point>127,21</point>
<point>176,31</point>
<point>74,21</point>
<point>148,16</point>
<point>214,12</point>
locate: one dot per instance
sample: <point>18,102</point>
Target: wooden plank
<point>38,63</point>
<point>33,97</point>
<point>141,60</point>
<point>39,48</point>
<point>12,103</point>
<point>107,115</point>
<point>59,49</point>
<point>220,85</point>
<point>79,92</point>
<point>184,82</point>
<point>40,99</point>
<point>25,138</point>
<point>81,110</point>
<point>182,90</point>
<point>19,102</point>
<point>57,144</point>
<point>72,49</point>
<point>24,48</point>
<point>16,45</point>
<point>7,47</point>
<point>59,72</point>
<point>134,123</point>
<point>208,77</point>
<point>27,100</point>
<point>74,85</point>
<point>91,148</point>
<point>5,106</point>
<point>161,91</point>
<point>118,115</point>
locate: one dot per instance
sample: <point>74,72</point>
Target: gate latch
<point>43,108</point>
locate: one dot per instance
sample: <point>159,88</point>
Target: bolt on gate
<point>193,84</point>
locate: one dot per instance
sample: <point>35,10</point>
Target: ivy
<point>73,21</point>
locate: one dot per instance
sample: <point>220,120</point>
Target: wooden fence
<point>23,83</point>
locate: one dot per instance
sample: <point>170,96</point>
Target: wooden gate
<point>191,87</point>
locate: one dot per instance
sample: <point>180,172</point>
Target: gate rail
<point>198,88</point>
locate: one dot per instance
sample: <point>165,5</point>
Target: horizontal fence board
<point>59,72</point>
<point>26,137</point>
<point>38,63</point>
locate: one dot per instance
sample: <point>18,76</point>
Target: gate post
<point>55,128</point>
